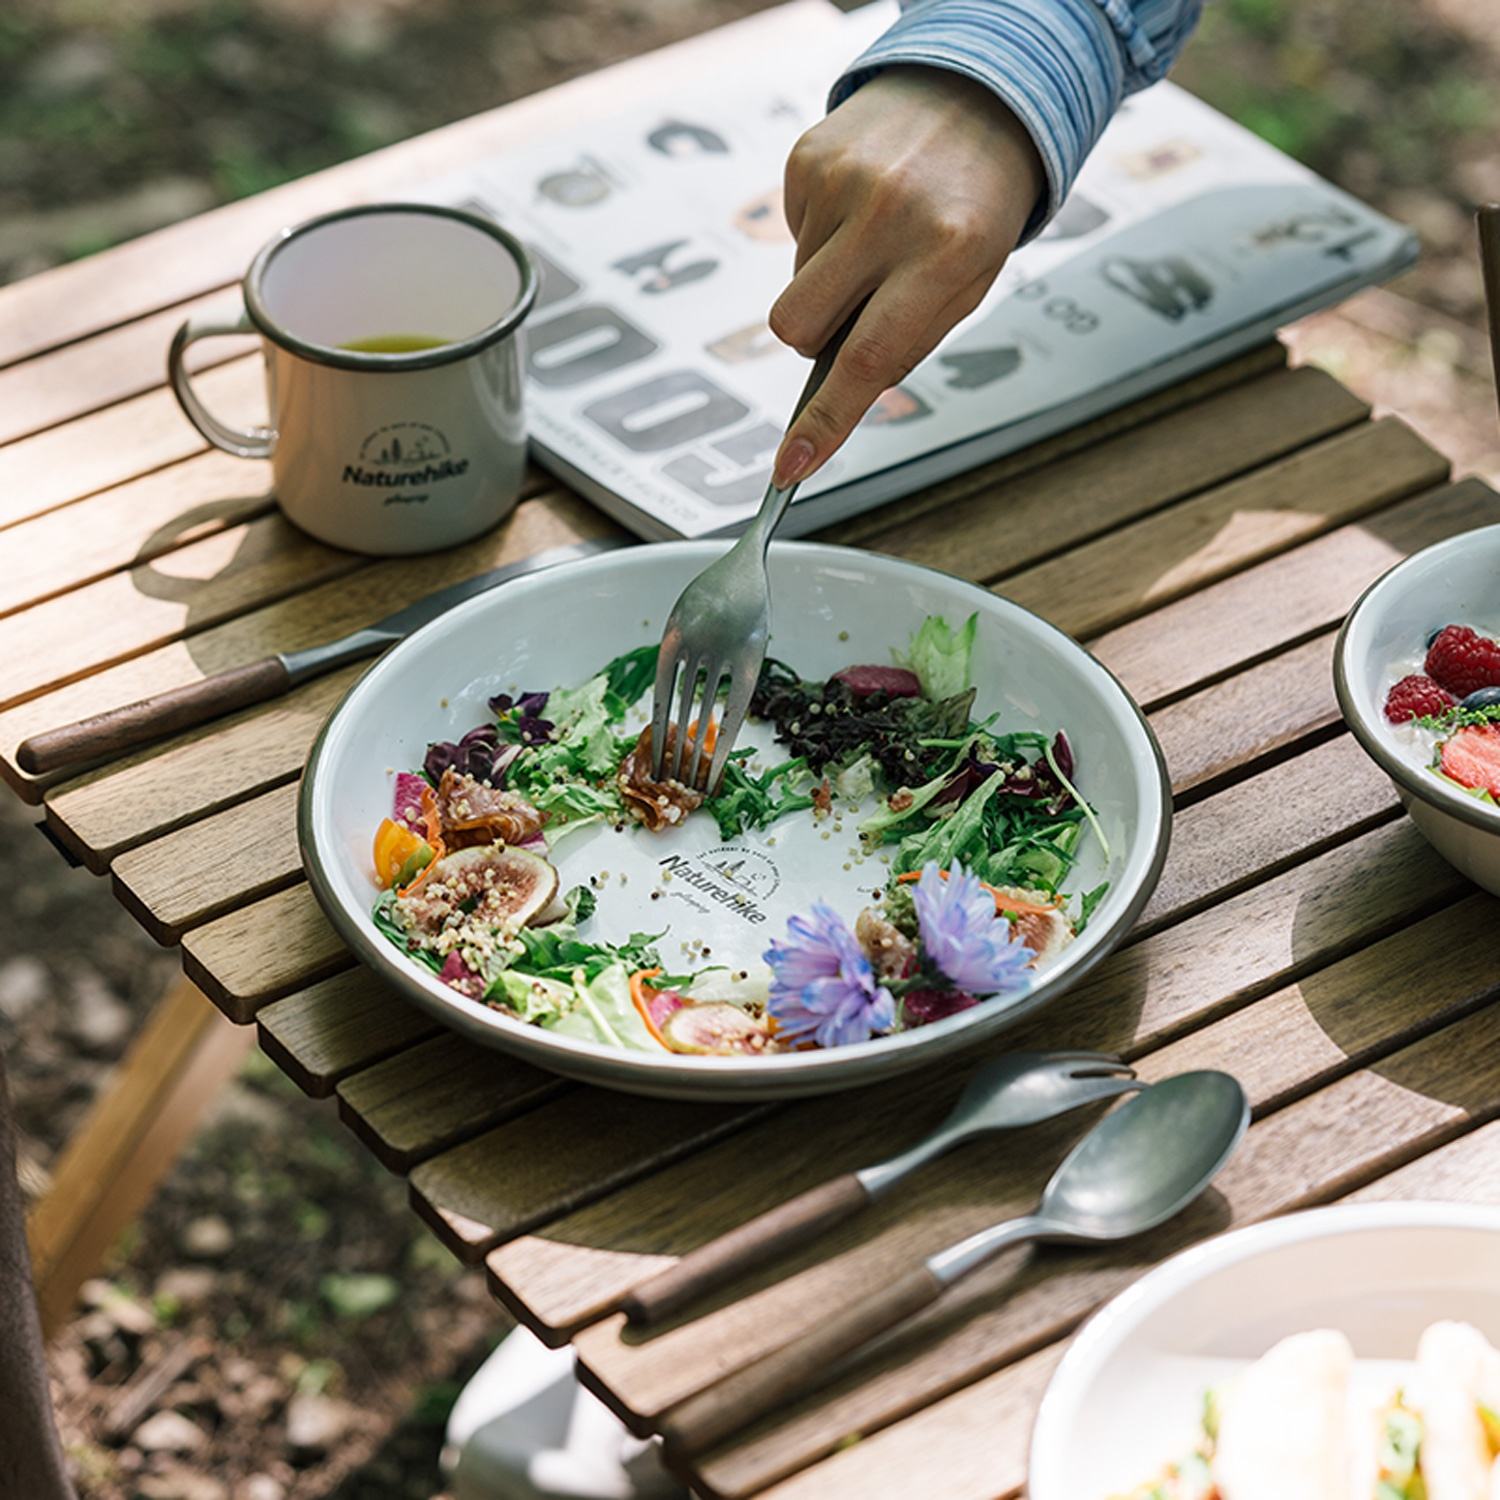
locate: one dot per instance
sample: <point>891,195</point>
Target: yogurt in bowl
<point>1442,706</point>
<point>1413,669</point>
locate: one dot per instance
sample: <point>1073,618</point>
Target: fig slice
<point>715,1027</point>
<point>491,884</point>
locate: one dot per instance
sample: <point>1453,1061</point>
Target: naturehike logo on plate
<point>738,879</point>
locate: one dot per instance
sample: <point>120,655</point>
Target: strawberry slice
<point>1472,758</point>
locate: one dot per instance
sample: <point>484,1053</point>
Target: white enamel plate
<point>1127,1397</point>
<point>832,607</point>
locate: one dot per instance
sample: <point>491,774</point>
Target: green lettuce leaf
<point>941,657</point>
<point>606,1013</point>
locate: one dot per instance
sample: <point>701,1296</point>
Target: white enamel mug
<point>383,452</point>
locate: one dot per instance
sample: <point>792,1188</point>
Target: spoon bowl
<point>1147,1160</point>
<point>1134,1170</point>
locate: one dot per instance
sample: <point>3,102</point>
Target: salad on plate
<point>974,829</point>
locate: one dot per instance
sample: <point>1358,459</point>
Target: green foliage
<point>354,1295</point>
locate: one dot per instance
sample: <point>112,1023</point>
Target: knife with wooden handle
<point>120,729</point>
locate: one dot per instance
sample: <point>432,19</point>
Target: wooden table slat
<point>905,521</point>
<point>133,524</point>
<point>262,952</point>
<point>121,443</point>
<point>184,879</point>
<point>107,367</point>
<point>360,596</point>
<point>320,1035</point>
<point>1315,1150</point>
<point>1284,601</point>
<point>194,588</point>
<point>1168,554</point>
<point>157,791</point>
<point>999,528</point>
<point>1281,704</point>
<point>574,1150</point>
<point>977,1438</point>
<point>436,1093</point>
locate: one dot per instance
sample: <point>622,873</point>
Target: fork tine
<point>711,676</point>
<point>667,664</point>
<point>686,691</point>
<point>741,689</point>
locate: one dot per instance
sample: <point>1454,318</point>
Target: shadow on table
<point>1392,1006</point>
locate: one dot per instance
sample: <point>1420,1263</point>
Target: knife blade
<point>313,661</point>
<point>119,729</point>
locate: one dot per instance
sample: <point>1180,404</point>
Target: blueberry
<point>1483,698</point>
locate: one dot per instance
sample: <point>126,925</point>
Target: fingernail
<point>796,458</point>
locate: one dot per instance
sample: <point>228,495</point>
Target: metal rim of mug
<point>420,359</point>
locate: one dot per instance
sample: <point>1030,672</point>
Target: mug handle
<point>258,441</point>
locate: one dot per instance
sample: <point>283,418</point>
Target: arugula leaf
<point>745,801</point>
<point>959,837</point>
<point>877,827</point>
<point>1087,903</point>
<point>628,676</point>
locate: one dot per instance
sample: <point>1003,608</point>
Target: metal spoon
<point>1023,1088</point>
<point>1138,1167</point>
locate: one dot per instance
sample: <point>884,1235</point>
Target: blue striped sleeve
<point>1061,65</point>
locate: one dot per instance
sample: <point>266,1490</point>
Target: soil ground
<point>335,1331</point>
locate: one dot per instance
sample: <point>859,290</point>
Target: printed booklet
<point>655,388</point>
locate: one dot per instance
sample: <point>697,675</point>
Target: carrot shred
<point>641,1001</point>
<point>433,823</point>
<point>1004,901</point>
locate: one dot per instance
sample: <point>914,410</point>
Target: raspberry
<point>1414,698</point>
<point>1464,661</point>
<point>1472,758</point>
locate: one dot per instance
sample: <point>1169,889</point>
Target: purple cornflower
<point>822,984</point>
<point>963,938</point>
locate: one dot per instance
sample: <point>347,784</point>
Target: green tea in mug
<point>393,343</point>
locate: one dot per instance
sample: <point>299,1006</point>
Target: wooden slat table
<point>1204,543</point>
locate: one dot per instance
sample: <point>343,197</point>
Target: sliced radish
<point>897,681</point>
<point>715,1027</point>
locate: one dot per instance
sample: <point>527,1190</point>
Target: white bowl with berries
<point>1417,672</point>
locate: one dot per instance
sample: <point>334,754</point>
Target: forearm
<point>1062,66</point>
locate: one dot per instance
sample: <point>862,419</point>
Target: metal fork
<point>720,625</point>
<point>1023,1088</point>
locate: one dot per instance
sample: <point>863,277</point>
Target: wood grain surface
<point>1205,542</point>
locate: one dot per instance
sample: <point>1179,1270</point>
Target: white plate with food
<point>941,813</point>
<point>1341,1354</point>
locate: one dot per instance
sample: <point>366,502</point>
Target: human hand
<point>912,193</point>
